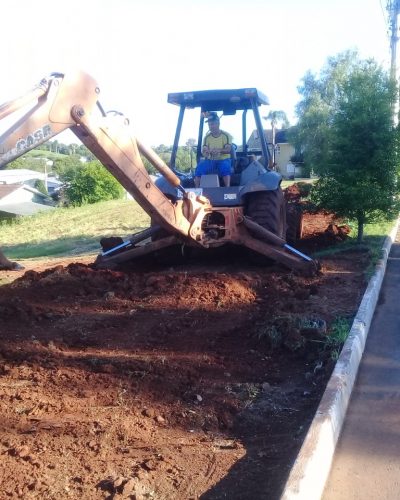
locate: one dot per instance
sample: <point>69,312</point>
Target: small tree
<point>317,108</point>
<point>275,117</point>
<point>64,163</point>
<point>191,148</point>
<point>40,186</point>
<point>346,122</point>
<point>184,160</point>
<point>91,183</point>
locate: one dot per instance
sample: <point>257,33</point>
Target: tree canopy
<point>91,183</point>
<point>277,116</point>
<point>346,131</point>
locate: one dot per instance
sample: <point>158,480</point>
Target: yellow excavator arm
<point>71,101</point>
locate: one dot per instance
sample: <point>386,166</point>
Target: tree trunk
<point>360,229</point>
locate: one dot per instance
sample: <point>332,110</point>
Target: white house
<point>21,176</point>
<point>21,199</point>
<point>29,177</point>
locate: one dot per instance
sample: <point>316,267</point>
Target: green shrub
<point>304,188</point>
<point>40,186</point>
<point>92,183</point>
<point>338,334</point>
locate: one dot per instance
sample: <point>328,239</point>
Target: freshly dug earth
<point>197,381</point>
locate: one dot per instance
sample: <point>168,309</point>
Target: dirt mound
<point>322,229</point>
<point>319,229</point>
<point>292,193</point>
<point>183,383</point>
<point>176,382</point>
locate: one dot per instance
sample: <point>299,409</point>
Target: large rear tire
<point>268,209</point>
<point>294,221</point>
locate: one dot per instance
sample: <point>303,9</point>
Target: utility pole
<point>393,8</point>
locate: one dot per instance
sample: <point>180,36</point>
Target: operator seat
<point>241,163</point>
<point>210,180</point>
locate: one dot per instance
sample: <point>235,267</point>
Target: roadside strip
<point>311,468</point>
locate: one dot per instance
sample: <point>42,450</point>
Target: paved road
<point>366,464</point>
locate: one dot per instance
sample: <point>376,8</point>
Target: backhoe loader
<point>250,214</point>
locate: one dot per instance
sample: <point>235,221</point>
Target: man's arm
<point>226,149</point>
<point>205,151</point>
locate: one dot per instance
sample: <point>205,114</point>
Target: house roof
<point>13,175</point>
<point>25,208</point>
<point>6,189</point>
<point>28,207</point>
<point>280,138</point>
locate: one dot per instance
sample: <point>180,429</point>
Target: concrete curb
<point>312,466</point>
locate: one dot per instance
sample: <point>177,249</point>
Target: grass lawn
<point>77,231</point>
<point>40,153</point>
<point>374,236</point>
<point>71,231</point>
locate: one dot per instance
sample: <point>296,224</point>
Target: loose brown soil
<point>196,381</point>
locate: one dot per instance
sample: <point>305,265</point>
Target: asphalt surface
<point>366,463</point>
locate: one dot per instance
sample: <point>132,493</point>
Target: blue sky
<point>140,50</point>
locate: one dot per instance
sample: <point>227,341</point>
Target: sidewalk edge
<point>311,468</point>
